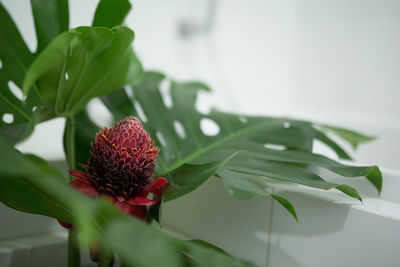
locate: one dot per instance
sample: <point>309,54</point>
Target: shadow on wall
<point>15,224</point>
<point>284,259</point>
<point>242,227</point>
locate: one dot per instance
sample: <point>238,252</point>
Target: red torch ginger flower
<point>120,167</point>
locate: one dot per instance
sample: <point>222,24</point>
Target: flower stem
<point>106,259</point>
<point>74,257</point>
<point>70,142</point>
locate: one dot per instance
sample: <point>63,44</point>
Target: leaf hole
<point>15,90</point>
<point>99,113</point>
<point>161,140</point>
<point>8,118</point>
<point>34,108</point>
<point>243,119</point>
<point>203,103</point>
<point>179,129</point>
<point>140,112</point>
<point>286,124</point>
<point>165,91</point>
<point>1,64</point>
<point>275,147</point>
<point>209,127</point>
<point>66,76</point>
<point>129,92</point>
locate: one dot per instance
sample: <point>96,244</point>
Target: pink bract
<point>121,167</point>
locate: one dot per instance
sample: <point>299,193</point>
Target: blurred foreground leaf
<point>28,184</point>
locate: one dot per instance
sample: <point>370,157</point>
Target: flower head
<point>121,167</point>
<point>122,159</point>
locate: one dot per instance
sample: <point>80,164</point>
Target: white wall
<point>331,61</point>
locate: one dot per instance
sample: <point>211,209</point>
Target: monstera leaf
<point>78,65</point>
<point>66,70</point>
<point>240,153</point>
<point>17,113</point>
<point>15,58</point>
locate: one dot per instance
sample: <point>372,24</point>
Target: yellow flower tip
<point>103,135</point>
<point>155,148</point>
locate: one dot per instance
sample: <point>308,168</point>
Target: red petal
<point>139,212</point>
<point>143,193</point>
<point>141,201</point>
<point>157,184</point>
<point>80,176</point>
<point>84,188</point>
<point>65,224</point>
<point>124,207</point>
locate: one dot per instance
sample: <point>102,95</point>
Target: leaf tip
<point>374,175</point>
<point>287,205</point>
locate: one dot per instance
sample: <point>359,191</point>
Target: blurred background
<point>336,62</point>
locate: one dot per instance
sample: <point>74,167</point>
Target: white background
<point>336,62</point>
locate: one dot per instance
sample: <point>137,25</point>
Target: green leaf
<point>207,245</point>
<point>20,181</point>
<point>242,186</point>
<point>352,137</point>
<point>330,143</point>
<point>15,58</point>
<point>145,242</point>
<point>125,237</point>
<point>78,65</point>
<point>197,146</point>
<point>286,204</point>
<point>16,133</point>
<point>348,190</point>
<point>119,103</point>
<point>246,179</point>
<point>188,177</point>
<point>110,13</point>
<point>200,254</point>
<point>135,71</point>
<point>282,172</point>
<point>234,135</point>
<point>372,173</point>
<point>51,18</point>
<point>155,212</point>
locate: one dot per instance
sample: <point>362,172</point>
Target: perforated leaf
<point>15,57</point>
<point>51,18</point>
<point>247,174</point>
